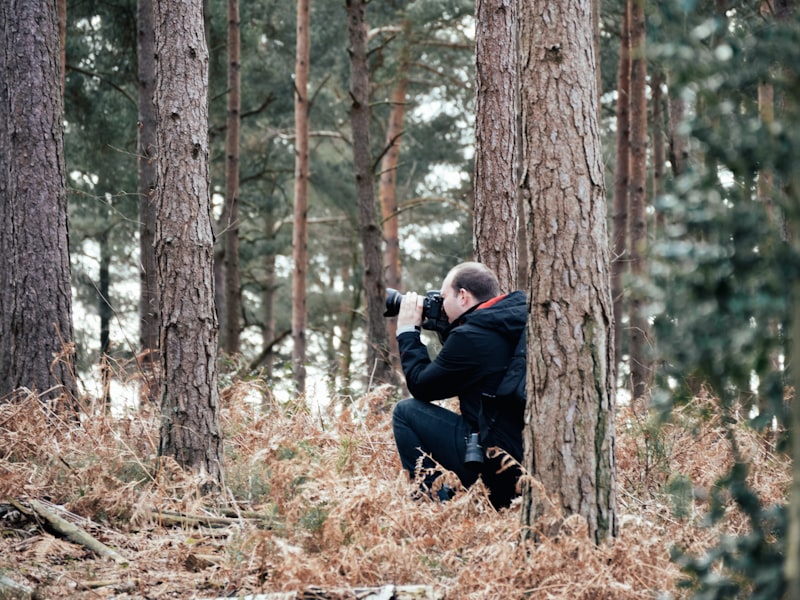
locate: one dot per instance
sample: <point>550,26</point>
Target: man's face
<point>453,300</point>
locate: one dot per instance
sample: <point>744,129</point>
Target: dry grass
<point>320,501</point>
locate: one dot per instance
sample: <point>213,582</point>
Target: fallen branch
<point>70,531</point>
<point>386,592</point>
<point>174,518</point>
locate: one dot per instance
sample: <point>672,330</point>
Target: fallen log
<point>70,531</point>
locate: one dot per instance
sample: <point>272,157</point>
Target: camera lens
<point>393,300</point>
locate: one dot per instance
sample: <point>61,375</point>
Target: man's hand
<point>410,311</point>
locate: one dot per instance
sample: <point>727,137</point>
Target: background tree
<point>496,148</point>
<point>149,316</point>
<point>36,331</point>
<point>379,361</point>
<point>639,351</point>
<point>569,432</point>
<point>232,289</point>
<point>184,243</point>
<point>622,160</point>
<point>387,186</point>
<point>300,230</point>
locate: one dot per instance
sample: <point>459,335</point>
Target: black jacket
<point>470,365</point>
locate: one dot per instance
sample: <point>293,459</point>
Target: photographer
<point>482,330</point>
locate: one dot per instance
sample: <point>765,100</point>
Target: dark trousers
<point>420,429</point>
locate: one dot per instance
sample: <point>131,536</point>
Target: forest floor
<point>316,506</point>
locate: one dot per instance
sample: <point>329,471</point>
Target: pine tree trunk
<point>678,144</point>
<point>792,562</point>
<point>233,295</point>
<point>106,313</point>
<point>36,331</point>
<point>387,191</point>
<point>379,364</point>
<point>149,317</point>
<point>496,139</point>
<point>301,173</point>
<point>639,327</point>
<point>184,243</point>
<point>621,180</point>
<point>569,431</point>
<point>659,153</point>
<point>270,284</point>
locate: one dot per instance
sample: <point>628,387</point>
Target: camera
<point>433,315</point>
<point>473,457</point>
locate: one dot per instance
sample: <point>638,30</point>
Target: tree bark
<point>184,244</point>
<point>233,293</point>
<point>149,316</point>
<point>301,174</point>
<point>36,330</point>
<point>569,431</point>
<point>379,363</point>
<point>496,140</point>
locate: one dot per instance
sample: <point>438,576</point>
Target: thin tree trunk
<point>792,562</point>
<point>379,362</point>
<point>639,327</point>
<point>106,313</point>
<point>496,152</point>
<point>233,294</point>
<point>678,142</point>
<point>301,174</point>
<point>387,191</point>
<point>569,431</point>
<point>621,181</point>
<point>268,296</point>
<point>149,314</point>
<point>659,154</point>
<point>35,292</point>
<point>184,243</point>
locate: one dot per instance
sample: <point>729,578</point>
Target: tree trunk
<point>233,293</point>
<point>496,150</point>
<point>639,327</point>
<point>379,363</point>
<point>678,143</point>
<point>268,296</point>
<point>387,190</point>
<point>569,432</point>
<point>659,154</point>
<point>621,181</point>
<point>301,173</point>
<point>184,242</point>
<point>149,314</point>
<point>792,562</point>
<point>106,313</point>
<point>36,331</point>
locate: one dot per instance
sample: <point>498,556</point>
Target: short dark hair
<point>478,279</point>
